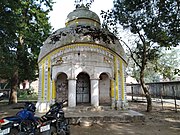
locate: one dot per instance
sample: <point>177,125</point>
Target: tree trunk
<point>146,92</point>
<point>15,77</point>
<point>14,86</point>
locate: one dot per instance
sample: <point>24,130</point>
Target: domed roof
<point>85,30</point>
<point>82,34</point>
<point>80,14</point>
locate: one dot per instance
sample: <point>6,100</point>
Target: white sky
<point>63,7</point>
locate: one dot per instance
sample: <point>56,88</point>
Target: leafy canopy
<point>157,19</point>
<point>23,29</point>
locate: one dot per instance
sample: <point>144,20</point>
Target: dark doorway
<point>83,88</point>
<point>61,87</point>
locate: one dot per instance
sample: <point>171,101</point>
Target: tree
<point>23,30</point>
<point>143,54</point>
<point>164,68</point>
<point>150,74</point>
<point>154,22</point>
<point>167,63</point>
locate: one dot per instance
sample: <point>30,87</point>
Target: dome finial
<point>86,3</point>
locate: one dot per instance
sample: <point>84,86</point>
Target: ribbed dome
<point>82,16</point>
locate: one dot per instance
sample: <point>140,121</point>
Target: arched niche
<point>104,89</point>
<point>61,87</point>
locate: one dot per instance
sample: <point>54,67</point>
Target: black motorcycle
<point>59,124</point>
<point>22,124</point>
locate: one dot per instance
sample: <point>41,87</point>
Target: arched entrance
<point>61,87</point>
<point>83,88</point>
<point>104,90</point>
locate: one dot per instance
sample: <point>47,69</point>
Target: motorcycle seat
<point>13,118</point>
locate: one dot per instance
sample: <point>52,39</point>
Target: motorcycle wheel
<point>53,130</point>
<point>68,131</point>
<point>62,132</point>
<point>14,131</point>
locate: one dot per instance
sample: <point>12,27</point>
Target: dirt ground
<point>158,122</point>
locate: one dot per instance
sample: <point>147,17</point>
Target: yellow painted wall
<point>114,83</point>
<point>122,80</point>
<point>49,77</point>
<point>42,97</point>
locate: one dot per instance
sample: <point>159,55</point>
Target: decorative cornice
<point>57,53</point>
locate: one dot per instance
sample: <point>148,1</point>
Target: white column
<point>95,92</point>
<point>71,93</point>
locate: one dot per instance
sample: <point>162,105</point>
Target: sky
<point>63,7</point>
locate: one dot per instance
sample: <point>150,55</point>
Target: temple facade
<point>82,63</point>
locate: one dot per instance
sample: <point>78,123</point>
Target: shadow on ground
<point>158,122</point>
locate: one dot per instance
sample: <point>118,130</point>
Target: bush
<point>24,94</point>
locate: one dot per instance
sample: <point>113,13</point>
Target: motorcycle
<point>59,124</point>
<point>2,95</point>
<point>24,123</point>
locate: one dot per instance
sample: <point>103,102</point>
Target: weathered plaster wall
<point>89,58</point>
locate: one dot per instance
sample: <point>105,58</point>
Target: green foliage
<point>162,68</point>
<point>23,29</point>
<point>8,37</point>
<point>25,94</point>
<point>155,23</point>
<point>150,74</point>
<point>157,19</point>
<point>168,62</point>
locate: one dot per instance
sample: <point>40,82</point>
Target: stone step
<point>76,117</point>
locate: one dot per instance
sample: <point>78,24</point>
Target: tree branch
<point>131,54</point>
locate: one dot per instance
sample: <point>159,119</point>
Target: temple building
<point>82,63</point>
